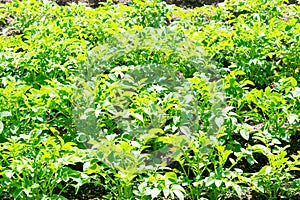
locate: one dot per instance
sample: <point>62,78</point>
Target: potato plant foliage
<point>255,48</point>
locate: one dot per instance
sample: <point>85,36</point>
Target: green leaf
<point>265,170</point>
<point>185,130</point>
<point>166,192</point>
<point>171,175</point>
<point>296,92</point>
<point>237,72</point>
<point>68,145</point>
<point>237,189</point>
<point>54,131</point>
<point>6,114</point>
<point>137,116</point>
<point>245,134</point>
<point>218,183</point>
<point>209,181</point>
<point>153,192</point>
<point>1,127</point>
<point>250,159</point>
<point>219,121</point>
<point>292,118</point>
<point>179,194</point>
<point>155,130</point>
<point>261,149</point>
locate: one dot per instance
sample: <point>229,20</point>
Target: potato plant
<point>253,47</point>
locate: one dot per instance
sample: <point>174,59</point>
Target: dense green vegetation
<point>251,47</point>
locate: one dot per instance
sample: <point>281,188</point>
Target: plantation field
<point>148,100</point>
